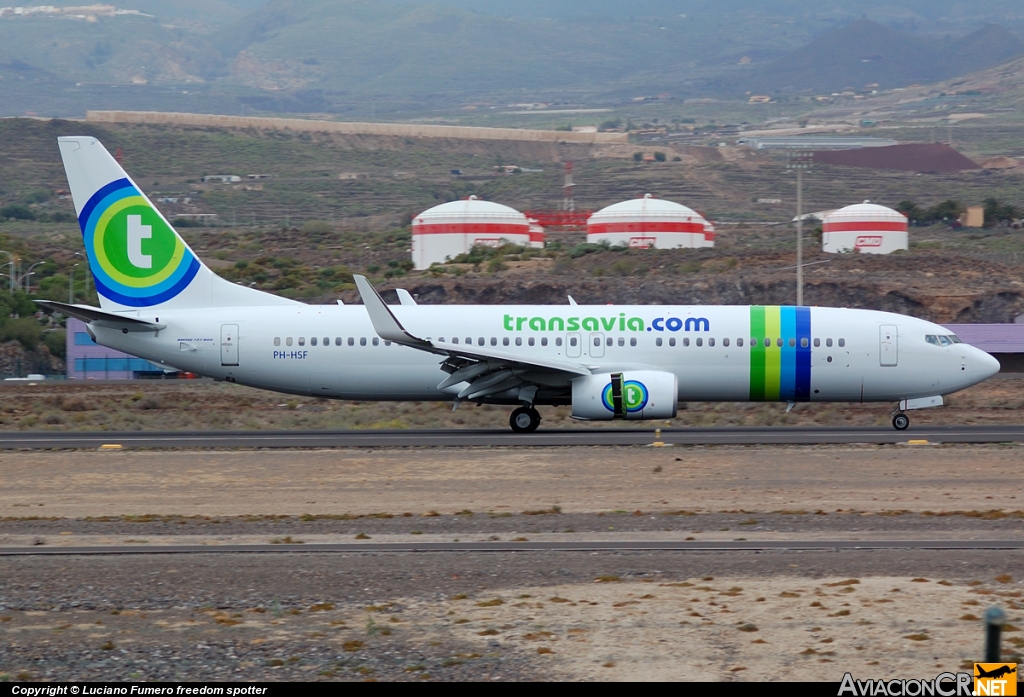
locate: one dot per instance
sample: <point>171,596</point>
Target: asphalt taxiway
<point>505,547</point>
<point>498,437</point>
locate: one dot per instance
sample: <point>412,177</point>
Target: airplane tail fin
<point>137,259</point>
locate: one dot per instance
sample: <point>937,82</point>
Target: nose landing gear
<point>900,421</point>
<point>524,420</point>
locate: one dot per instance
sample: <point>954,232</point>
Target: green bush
<point>17,211</point>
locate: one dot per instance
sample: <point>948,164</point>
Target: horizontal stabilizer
<point>94,315</point>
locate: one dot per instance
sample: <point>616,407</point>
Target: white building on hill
<point>866,228</point>
<point>650,222</point>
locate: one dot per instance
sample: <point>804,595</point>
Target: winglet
<point>384,322</point>
<point>404,297</point>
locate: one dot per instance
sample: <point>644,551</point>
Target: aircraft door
<point>229,344</point>
<point>888,345</point>
<point>573,345</point>
<point>597,345</point>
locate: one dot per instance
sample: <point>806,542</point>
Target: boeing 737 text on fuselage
<point>160,302</point>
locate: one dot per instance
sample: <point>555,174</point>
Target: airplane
<point>634,362</point>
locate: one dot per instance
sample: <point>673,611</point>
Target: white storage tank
<point>650,222</point>
<point>445,231</point>
<point>866,228</point>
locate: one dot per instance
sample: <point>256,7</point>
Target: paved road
<point>498,437</point>
<point>577,546</point>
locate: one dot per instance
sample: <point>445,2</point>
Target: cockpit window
<point>955,339</point>
<point>945,341</point>
<point>932,339</point>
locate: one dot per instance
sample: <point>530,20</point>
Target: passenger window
<point>778,342</point>
<point>622,342</point>
<point>792,342</point>
<point>530,341</point>
<point>609,341</point>
<point>337,341</point>
<point>494,341</point>
<point>686,341</point>
<point>572,341</point>
<point>711,342</point>
<point>597,341</point>
<point>480,341</point>
<point>944,340</point>
<point>387,343</point>
<point>558,341</point>
<point>302,341</point>
<point>455,339</point>
<point>362,341</point>
<point>725,341</point>
<point>327,341</point>
<point>828,343</point>
<point>803,342</point>
<point>700,342</point>
<point>376,341</point>
<point>817,343</point>
<point>739,342</point>
<point>351,341</point>
<point>753,342</point>
<point>312,342</point>
<point>277,341</point>
<point>504,341</point>
<point>767,342</point>
<point>469,341</point>
<point>657,342</point>
<point>672,341</point>
<point>842,343</point>
<point>288,341</point>
<point>519,341</point>
<point>632,342</point>
<point>543,341</point>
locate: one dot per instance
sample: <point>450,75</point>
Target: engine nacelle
<point>634,394</point>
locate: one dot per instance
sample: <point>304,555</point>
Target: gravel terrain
<point>516,615</point>
<point>485,616</point>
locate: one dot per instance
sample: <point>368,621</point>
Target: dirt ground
<point>870,479</point>
<point>164,405</point>
<point>778,615</point>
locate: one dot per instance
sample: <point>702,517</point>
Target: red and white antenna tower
<point>569,202</point>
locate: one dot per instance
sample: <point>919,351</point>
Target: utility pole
<point>71,285</point>
<point>800,161</point>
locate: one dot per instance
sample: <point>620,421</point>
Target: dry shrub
<point>73,404</point>
<point>147,403</point>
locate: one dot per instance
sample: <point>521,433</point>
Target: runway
<point>504,547</point>
<point>612,436</point>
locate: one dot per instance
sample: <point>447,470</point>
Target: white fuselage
<point>333,351</point>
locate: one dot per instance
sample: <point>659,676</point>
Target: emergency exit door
<point>229,344</point>
<point>888,345</point>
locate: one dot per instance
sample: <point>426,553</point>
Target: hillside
<point>865,53</point>
<point>304,229</point>
<point>369,57</point>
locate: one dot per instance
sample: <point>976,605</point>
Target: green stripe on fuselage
<point>757,354</point>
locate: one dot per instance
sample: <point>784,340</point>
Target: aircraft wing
<point>487,370</point>
<point>94,315</point>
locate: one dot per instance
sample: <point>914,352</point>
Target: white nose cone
<point>985,365</point>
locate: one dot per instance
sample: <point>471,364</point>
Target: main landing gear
<point>524,420</point>
<point>900,421</point>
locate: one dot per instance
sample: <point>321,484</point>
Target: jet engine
<point>633,394</point>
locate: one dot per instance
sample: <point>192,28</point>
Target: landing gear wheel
<point>901,422</point>
<point>524,420</point>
